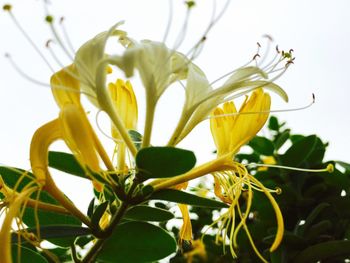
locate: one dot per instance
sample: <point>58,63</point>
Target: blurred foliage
<point>315,206</point>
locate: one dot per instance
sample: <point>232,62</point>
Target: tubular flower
<point>231,130</point>
<point>39,149</point>
<point>65,87</point>
<point>186,228</point>
<point>124,100</point>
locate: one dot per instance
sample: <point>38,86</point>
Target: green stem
<point>150,109</point>
<point>180,126</point>
<point>91,255</point>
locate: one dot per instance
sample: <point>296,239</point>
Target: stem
<point>150,109</point>
<point>106,104</point>
<point>47,207</point>
<point>121,157</point>
<point>180,126</point>
<point>92,253</point>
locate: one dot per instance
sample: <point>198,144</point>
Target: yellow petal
<point>39,148</point>
<point>77,133</point>
<point>186,228</point>
<point>124,100</point>
<point>246,126</point>
<point>65,86</point>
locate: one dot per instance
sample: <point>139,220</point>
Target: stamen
<point>181,36</point>
<point>212,22</point>
<point>66,35</point>
<point>48,46</point>
<point>49,19</point>
<point>329,168</point>
<point>31,42</point>
<point>170,20</point>
<point>23,74</point>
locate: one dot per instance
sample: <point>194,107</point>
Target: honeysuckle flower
<point>198,250</point>
<point>185,234</point>
<point>231,130</point>
<point>92,64</point>
<point>201,98</point>
<point>124,100</point>
<point>158,67</point>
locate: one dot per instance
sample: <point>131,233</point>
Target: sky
<point>317,30</point>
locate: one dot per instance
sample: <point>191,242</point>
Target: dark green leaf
<point>136,242</point>
<point>98,213</point>
<point>26,255</point>
<point>148,213</point>
<point>323,251</point>
<point>66,162</point>
<point>273,124</point>
<point>182,197</point>
<point>299,151</point>
<point>262,145</point>
<point>56,231</point>
<point>281,139</point>
<point>161,162</point>
<point>91,208</point>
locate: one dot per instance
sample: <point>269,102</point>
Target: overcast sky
<point>317,30</point>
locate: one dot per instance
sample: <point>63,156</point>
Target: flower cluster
<point>127,178</point>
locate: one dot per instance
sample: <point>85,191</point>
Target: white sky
<point>317,30</point>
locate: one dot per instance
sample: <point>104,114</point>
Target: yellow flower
<point>231,130</point>
<point>198,250</point>
<point>124,100</point>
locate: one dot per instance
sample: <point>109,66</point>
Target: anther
<point>313,98</point>
<point>49,19</point>
<point>61,19</point>
<point>268,37</point>
<point>256,56</point>
<point>258,44</point>
<point>190,4</point>
<point>7,7</point>
<point>278,190</point>
<point>48,42</point>
<point>278,51</point>
<point>330,168</point>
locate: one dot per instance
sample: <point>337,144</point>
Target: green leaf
<point>281,139</point>
<point>136,242</point>
<point>11,176</point>
<point>136,137</point>
<point>54,232</point>
<point>273,124</point>
<point>67,163</point>
<point>26,255</point>
<point>262,145</point>
<point>182,197</point>
<point>322,251</point>
<point>299,151</point>
<point>161,162</point>
<point>98,213</point>
<point>148,213</point>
